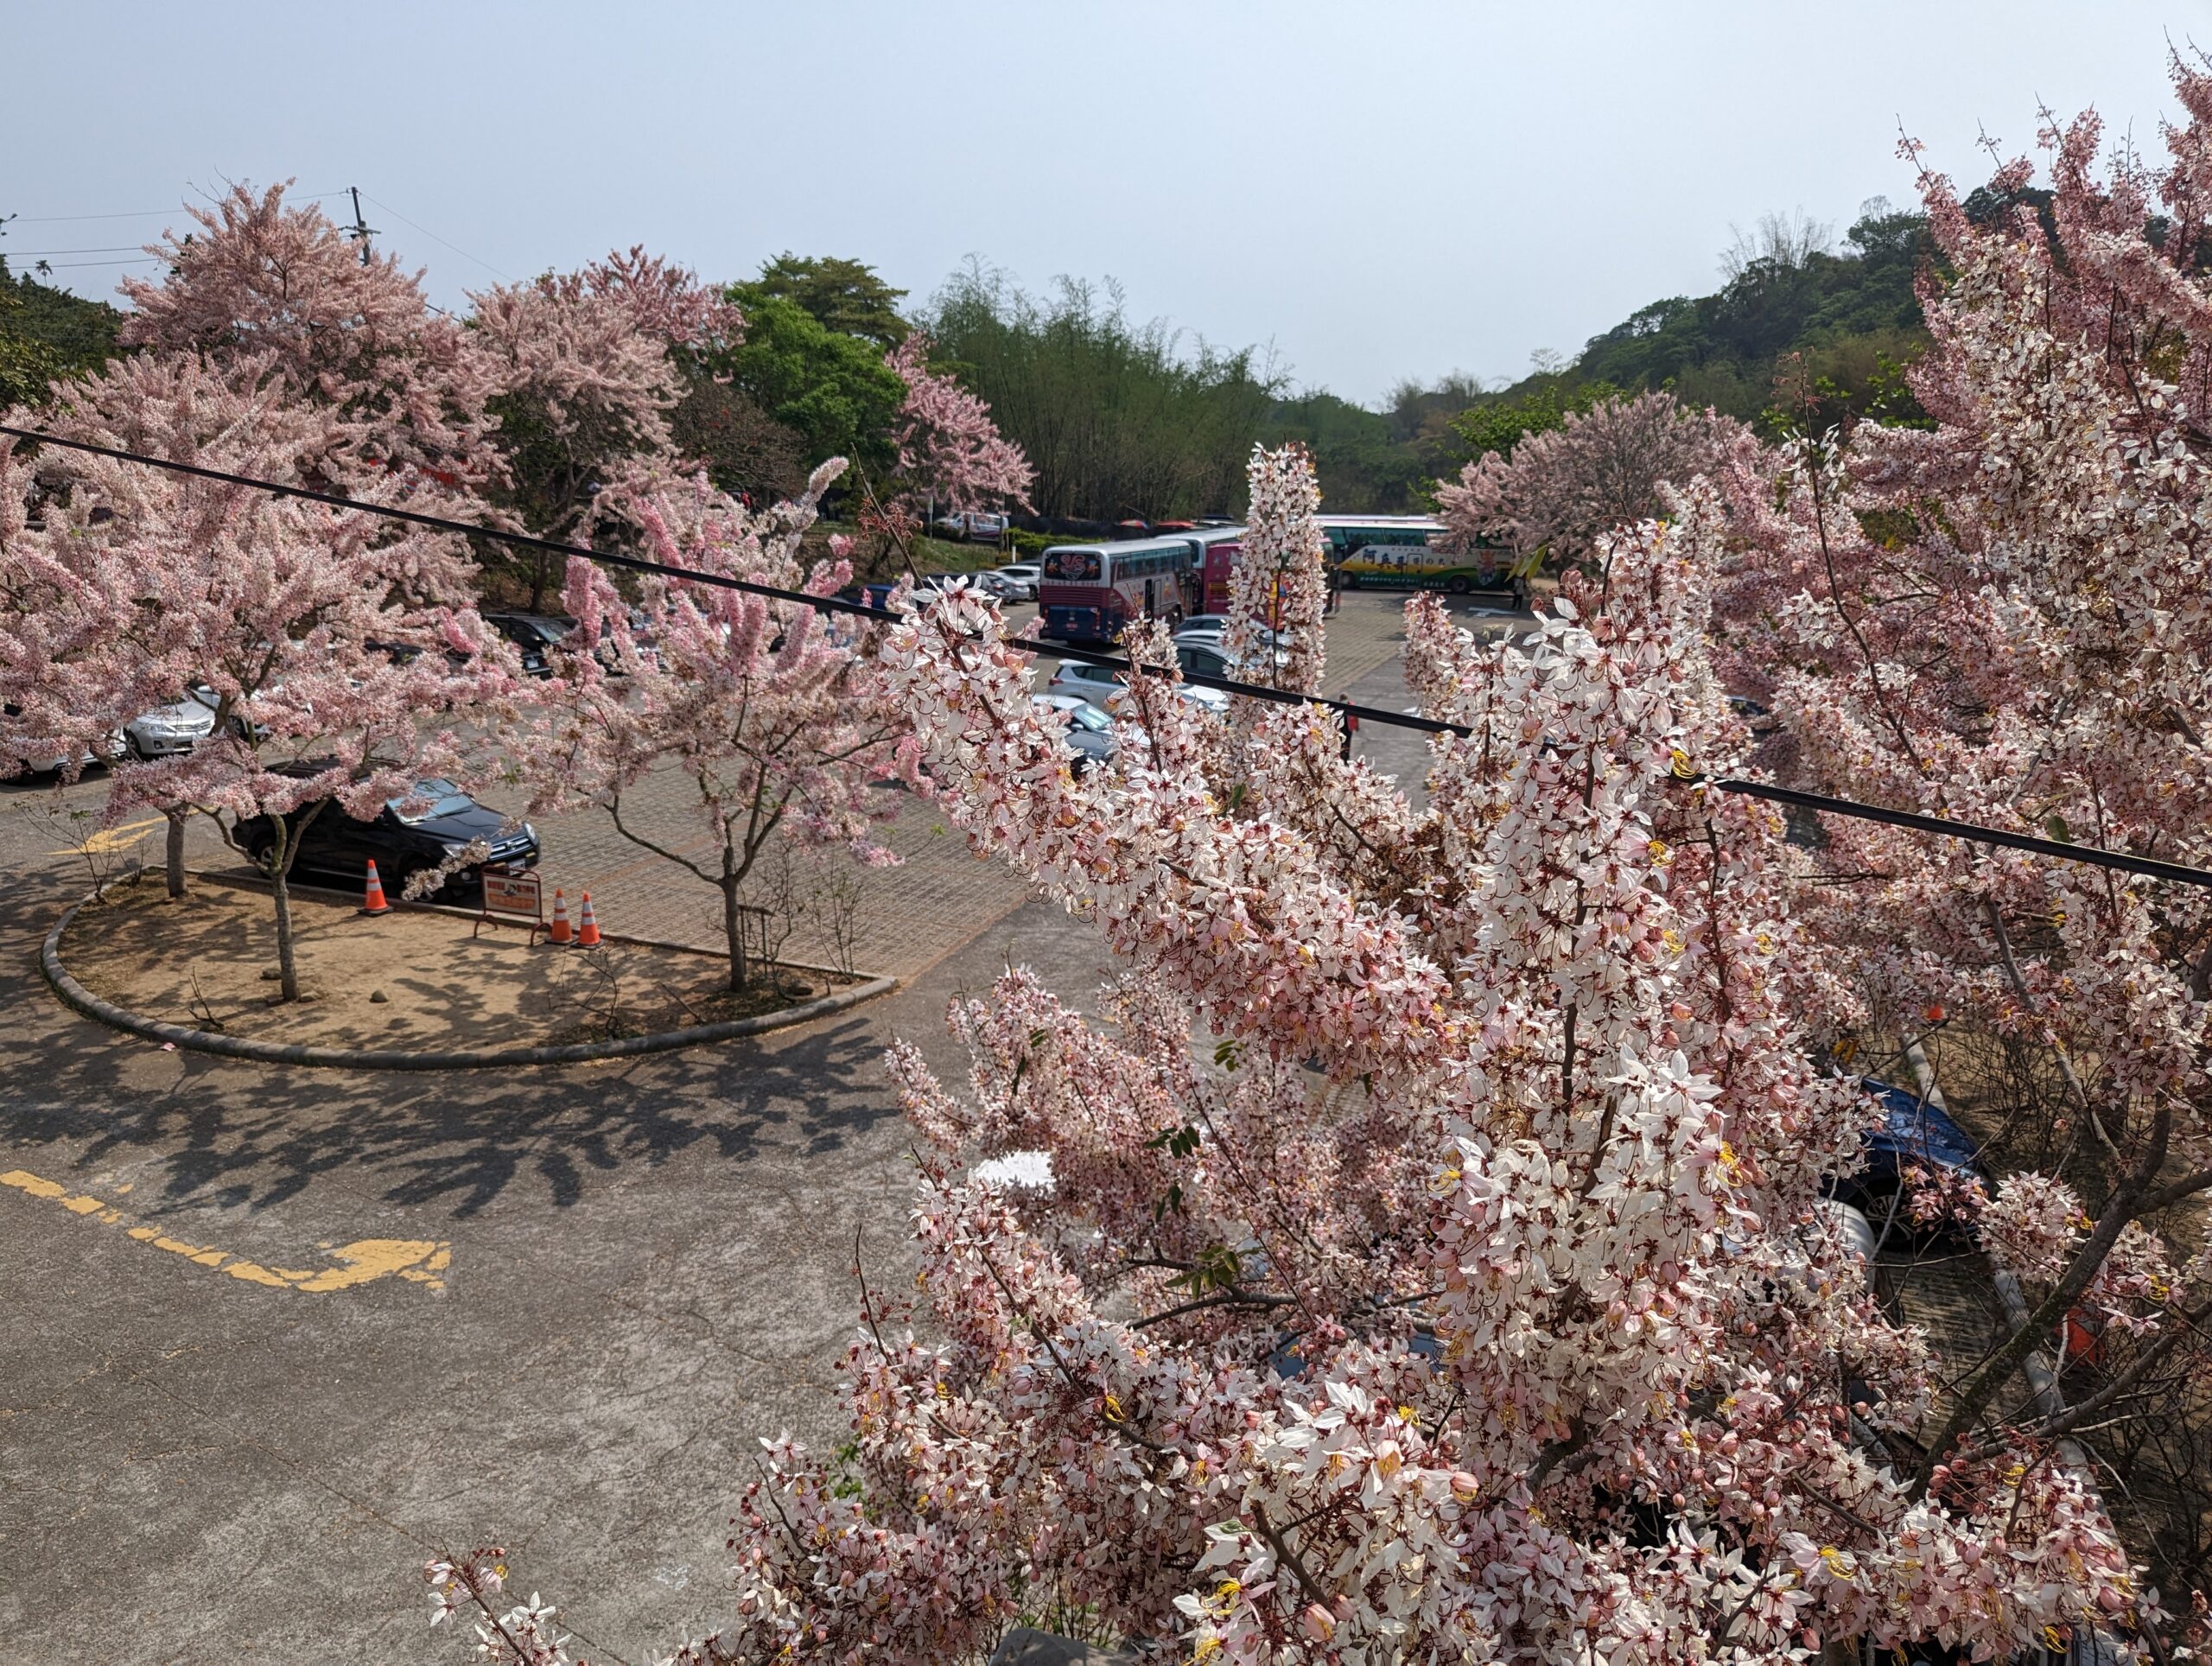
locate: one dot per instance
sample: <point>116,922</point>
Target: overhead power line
<point>61,220</point>
<point>137,213</point>
<point>102,249</point>
<point>1940,827</point>
<point>435,238</point>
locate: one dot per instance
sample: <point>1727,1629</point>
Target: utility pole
<point>362,230</point>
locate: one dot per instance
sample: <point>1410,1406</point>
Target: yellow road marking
<point>109,840</point>
<point>419,1260</point>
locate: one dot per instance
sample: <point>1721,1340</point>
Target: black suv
<point>439,821</point>
<point>534,636</point>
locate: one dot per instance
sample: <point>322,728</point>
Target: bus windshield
<point>1072,566</point>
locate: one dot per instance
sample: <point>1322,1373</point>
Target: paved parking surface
<point>550,1308</point>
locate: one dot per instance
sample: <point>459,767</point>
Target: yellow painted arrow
<point>109,840</point>
<point>419,1260</point>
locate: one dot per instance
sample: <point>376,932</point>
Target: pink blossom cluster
<point>1564,489</point>
<point>2003,619</point>
<point>947,445</point>
<point>263,279</point>
<point>1479,1299</point>
<point>774,714</point>
<point>1278,583</point>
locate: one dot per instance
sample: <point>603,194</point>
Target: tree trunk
<point>174,857</point>
<point>288,970</point>
<point>733,925</point>
<point>280,868</point>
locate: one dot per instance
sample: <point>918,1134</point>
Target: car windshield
<point>1071,566</point>
<point>429,799</point>
<point>1088,716</point>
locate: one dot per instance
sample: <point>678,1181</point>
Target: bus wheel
<point>1458,587</point>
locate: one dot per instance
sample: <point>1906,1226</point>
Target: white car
<point>1209,627</point>
<point>105,751</point>
<point>1089,735</point>
<point>1101,686</point>
<point>1020,580</point>
<point>169,731</point>
<point>972,526</point>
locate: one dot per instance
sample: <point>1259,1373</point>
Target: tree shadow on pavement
<point>236,1133</point>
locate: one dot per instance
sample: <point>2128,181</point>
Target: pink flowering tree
<point>264,278</point>
<point>949,448</point>
<point>2005,621</point>
<point>773,713</point>
<point>585,373</point>
<point>334,659</point>
<point>1478,1299</point>
<point>1279,588</point>
<point>1563,489</point>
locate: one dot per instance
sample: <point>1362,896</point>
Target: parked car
<point>168,731</point>
<point>406,836</point>
<point>1090,736</point>
<point>1206,656</point>
<point>108,748</point>
<point>1914,1134</point>
<point>1082,681</point>
<point>1020,578</point>
<point>534,636</point>
<point>1101,686</point>
<point>1203,626</point>
<point>975,526</point>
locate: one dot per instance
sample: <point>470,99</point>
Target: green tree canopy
<point>1120,419</point>
<point>1363,464</point>
<point>47,333</point>
<point>831,389</point>
<point>841,295</point>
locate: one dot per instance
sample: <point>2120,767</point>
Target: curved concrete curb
<point>271,1052</point>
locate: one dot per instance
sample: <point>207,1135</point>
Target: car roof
<point>1915,1129</point>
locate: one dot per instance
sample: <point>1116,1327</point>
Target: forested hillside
<point>46,332</point>
<point>1126,419</point>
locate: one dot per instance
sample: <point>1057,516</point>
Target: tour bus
<point>1214,551</point>
<point>1399,552</point>
<point>1088,592</point>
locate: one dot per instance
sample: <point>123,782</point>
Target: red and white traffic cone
<point>587,925</point>
<point>373,903</point>
<point>558,932</point>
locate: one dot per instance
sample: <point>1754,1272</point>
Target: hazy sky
<point>1377,190</point>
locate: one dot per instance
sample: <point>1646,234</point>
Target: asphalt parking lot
<point>550,1309</point>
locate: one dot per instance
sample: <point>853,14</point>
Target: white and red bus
<point>1215,549</point>
<point>1089,592</point>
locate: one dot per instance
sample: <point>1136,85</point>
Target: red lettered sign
<point>512,893</point>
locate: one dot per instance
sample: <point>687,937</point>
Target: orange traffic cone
<point>374,902</point>
<point>587,925</point>
<point>559,930</point>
